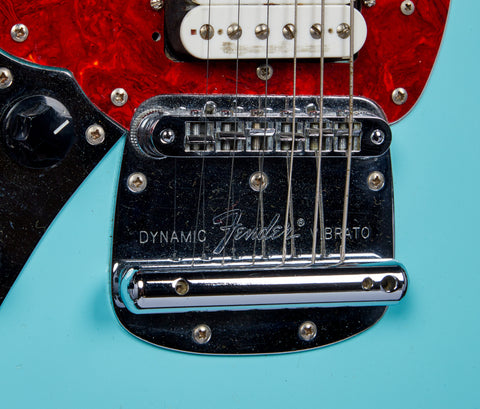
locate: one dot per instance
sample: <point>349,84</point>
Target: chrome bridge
<point>205,258</point>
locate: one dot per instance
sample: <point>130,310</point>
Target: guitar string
<point>318,213</point>
<point>289,205</point>
<point>235,130</point>
<point>350,137</point>
<point>260,206</point>
<point>201,195</point>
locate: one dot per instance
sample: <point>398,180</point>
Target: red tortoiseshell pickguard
<point>108,44</point>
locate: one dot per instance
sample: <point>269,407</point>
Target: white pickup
<point>205,32</point>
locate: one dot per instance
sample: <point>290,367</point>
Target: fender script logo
<point>234,230</point>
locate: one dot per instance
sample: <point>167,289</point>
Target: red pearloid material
<point>108,45</point>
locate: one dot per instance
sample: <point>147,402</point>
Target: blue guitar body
<point>62,346</point>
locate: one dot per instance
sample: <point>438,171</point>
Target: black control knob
<point>38,132</point>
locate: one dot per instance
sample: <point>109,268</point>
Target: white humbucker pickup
<point>215,19</point>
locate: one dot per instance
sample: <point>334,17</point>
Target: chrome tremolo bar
<point>347,285</point>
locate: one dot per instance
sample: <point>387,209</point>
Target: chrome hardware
<point>6,78</point>
<point>137,182</point>
<point>307,331</point>
<point>95,135</point>
<point>407,7</point>
<point>119,97</point>
<point>399,96</point>
<point>19,33</point>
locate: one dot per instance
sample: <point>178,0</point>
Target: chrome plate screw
<point>156,5</point>
<point>376,181</point>
<point>289,31</point>
<point>264,72</point>
<point>258,181</point>
<point>207,31</point>
<point>6,78</point>
<point>343,30</point>
<point>316,31</point>
<point>377,137</point>
<point>19,33</point>
<point>234,31</point>
<point>307,331</point>
<point>369,3</point>
<point>95,135</point>
<point>137,182</point>
<point>181,286</point>
<point>407,7</point>
<point>399,96</point>
<point>119,97</point>
<point>202,334</point>
<point>261,31</point>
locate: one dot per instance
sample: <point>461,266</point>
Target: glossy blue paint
<point>61,346</point>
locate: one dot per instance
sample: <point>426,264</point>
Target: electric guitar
<point>175,71</point>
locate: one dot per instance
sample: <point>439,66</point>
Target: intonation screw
<point>389,284</point>
<point>289,31</point>
<point>343,30</point>
<point>181,286</point>
<point>19,33</point>
<point>234,31</point>
<point>6,78</point>
<point>316,31</point>
<point>202,334</point>
<point>210,108</point>
<point>156,5</point>
<point>367,284</point>
<point>407,7</point>
<point>137,182</point>
<point>258,181</point>
<point>95,135</point>
<point>377,137</point>
<point>261,31</point>
<point>264,72</point>
<point>307,331</point>
<point>376,181</point>
<point>119,97</point>
<point>207,31</point>
<point>399,96</point>
<point>369,3</point>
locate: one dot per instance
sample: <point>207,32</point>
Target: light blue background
<point>64,348</point>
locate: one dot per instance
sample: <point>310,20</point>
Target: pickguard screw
<point>19,33</point>
<point>289,31</point>
<point>119,97</point>
<point>234,31</point>
<point>369,3</point>
<point>316,31</point>
<point>137,182</point>
<point>202,334</point>
<point>367,284</point>
<point>376,181</point>
<point>343,30</point>
<point>399,96</point>
<point>307,331</point>
<point>95,135</point>
<point>181,286</point>
<point>261,31</point>
<point>377,137</point>
<point>407,7</point>
<point>207,31</point>
<point>264,72</point>
<point>6,78</point>
<point>167,136</point>
<point>156,5</point>
<point>258,181</point>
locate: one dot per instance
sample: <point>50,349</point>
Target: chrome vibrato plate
<point>204,259</point>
